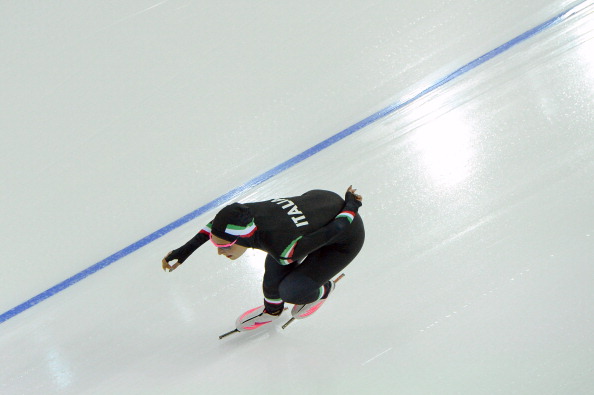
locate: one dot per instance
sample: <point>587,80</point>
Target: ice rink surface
<point>475,159</point>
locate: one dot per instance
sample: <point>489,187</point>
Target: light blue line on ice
<point>282,167</point>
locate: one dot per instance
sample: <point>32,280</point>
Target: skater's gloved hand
<point>178,254</point>
<point>352,200</point>
<point>183,252</point>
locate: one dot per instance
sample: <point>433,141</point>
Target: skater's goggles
<point>222,245</point>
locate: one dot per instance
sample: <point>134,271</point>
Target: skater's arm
<point>325,235</point>
<point>183,252</point>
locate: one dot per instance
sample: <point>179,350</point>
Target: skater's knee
<point>298,289</point>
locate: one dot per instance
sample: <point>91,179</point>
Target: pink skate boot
<point>254,319</point>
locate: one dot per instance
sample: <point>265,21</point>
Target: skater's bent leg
<point>306,283</point>
<point>297,288</point>
<point>274,273</point>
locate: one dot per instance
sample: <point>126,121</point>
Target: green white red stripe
<point>242,231</point>
<point>349,215</point>
<point>207,230</point>
<point>287,254</point>
<point>273,301</point>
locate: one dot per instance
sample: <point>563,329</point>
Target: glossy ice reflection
<point>585,51</point>
<point>443,138</point>
<point>446,150</point>
<point>59,369</point>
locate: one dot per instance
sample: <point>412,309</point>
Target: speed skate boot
<point>254,319</point>
<point>301,311</point>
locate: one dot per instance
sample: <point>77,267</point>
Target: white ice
<point>117,118</point>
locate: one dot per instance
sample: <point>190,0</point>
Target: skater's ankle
<point>274,308</point>
<point>274,313</point>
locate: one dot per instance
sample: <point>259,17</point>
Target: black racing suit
<point>309,239</point>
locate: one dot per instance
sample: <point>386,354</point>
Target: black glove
<point>183,252</point>
<point>180,254</point>
<point>351,202</point>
